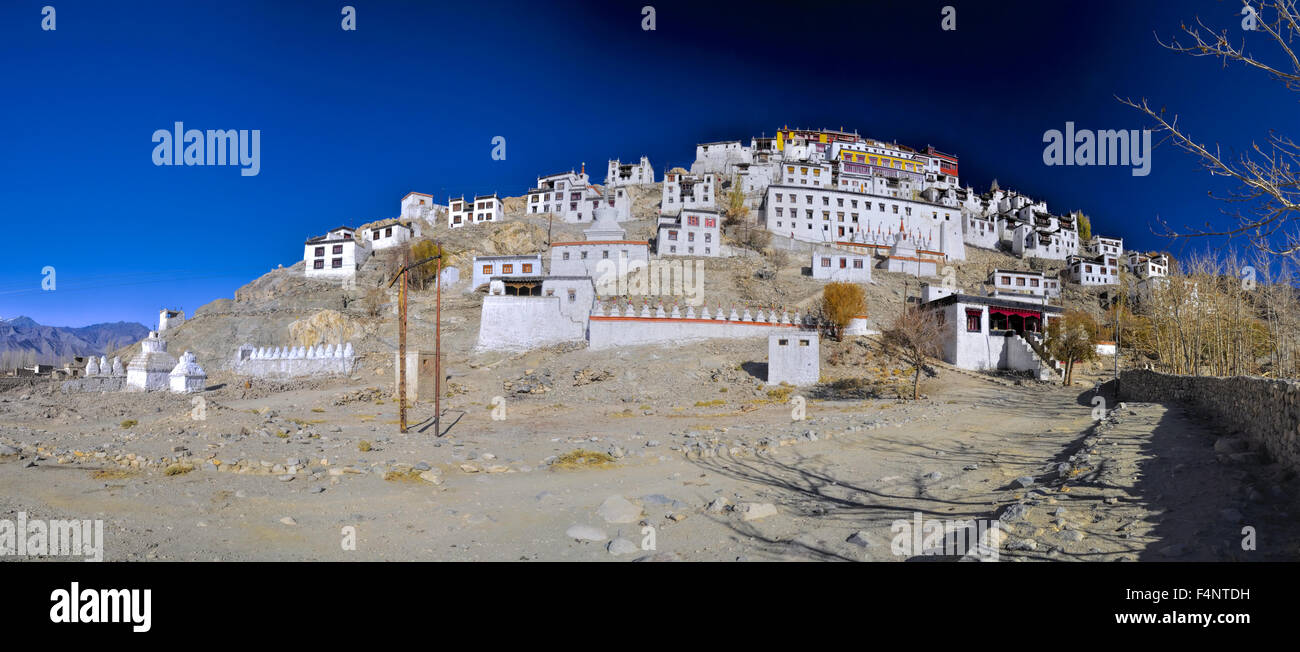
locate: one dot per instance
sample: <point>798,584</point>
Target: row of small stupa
<point>302,352</point>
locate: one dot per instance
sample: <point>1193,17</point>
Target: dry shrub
<point>841,302</point>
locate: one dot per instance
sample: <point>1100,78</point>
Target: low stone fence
<point>1267,411</point>
<point>94,384</point>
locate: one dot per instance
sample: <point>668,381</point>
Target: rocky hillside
<point>283,308</point>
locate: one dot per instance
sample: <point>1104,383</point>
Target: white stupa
<point>149,370</point>
<point>187,376</point>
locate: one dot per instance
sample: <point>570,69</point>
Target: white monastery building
<point>626,174</point>
<point>692,232</point>
<point>483,208</point>
<point>606,241</point>
<point>994,332</point>
<point>389,233</point>
<point>1092,271</point>
<point>683,190</point>
<point>488,267</point>
<point>851,267</point>
<point>1012,283</point>
<point>1144,266</point>
<point>335,255</point>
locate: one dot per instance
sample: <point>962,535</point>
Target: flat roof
<point>995,301</point>
<point>508,257</point>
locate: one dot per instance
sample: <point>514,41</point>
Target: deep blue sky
<point>411,100</point>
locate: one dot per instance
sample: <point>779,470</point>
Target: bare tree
<point>1072,338</point>
<point>1268,193</point>
<point>914,337</point>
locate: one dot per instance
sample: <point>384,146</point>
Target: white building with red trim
<point>487,268</point>
<point>606,244</point>
<point>830,216</point>
<point>571,197</point>
<point>988,333</point>
<point>629,174</point>
<point>682,190</point>
<point>692,232</point>
<point>842,266</point>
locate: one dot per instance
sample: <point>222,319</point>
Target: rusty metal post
<point>437,351</point>
<point>401,349</point>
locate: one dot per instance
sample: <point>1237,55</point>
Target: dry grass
<point>409,476</point>
<point>583,459</point>
<point>178,469</point>
<point>129,423</point>
<point>363,446</point>
<point>780,394</point>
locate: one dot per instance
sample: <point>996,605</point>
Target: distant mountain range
<point>22,340</point>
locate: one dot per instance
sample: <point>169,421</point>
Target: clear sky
<point>351,121</point>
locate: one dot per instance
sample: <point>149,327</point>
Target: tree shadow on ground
<point>805,488</point>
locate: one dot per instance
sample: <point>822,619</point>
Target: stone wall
<point>1266,411</point>
<point>94,384</point>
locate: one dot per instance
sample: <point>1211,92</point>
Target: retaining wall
<point>1267,411</point>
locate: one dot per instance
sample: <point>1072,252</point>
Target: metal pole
<point>401,352</point>
<point>401,327</point>
<point>437,352</point>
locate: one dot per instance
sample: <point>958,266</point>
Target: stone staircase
<point>1047,366</point>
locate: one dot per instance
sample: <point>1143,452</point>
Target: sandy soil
<point>1144,483</point>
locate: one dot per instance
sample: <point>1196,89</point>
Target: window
<point>573,294</point>
<point>338,249</point>
<point>320,251</point>
<point>604,254</point>
<point>507,269</point>
<point>337,263</point>
<point>844,263</point>
<point>826,262</point>
<point>374,235</point>
<point>973,320</point>
<point>692,220</point>
<point>584,255</point>
<point>672,235</point>
<point>803,342</point>
<point>487,269</point>
<point>857,263</point>
<point>528,268</point>
<point>320,264</point>
<point>782,342</point>
<point>566,255</point>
